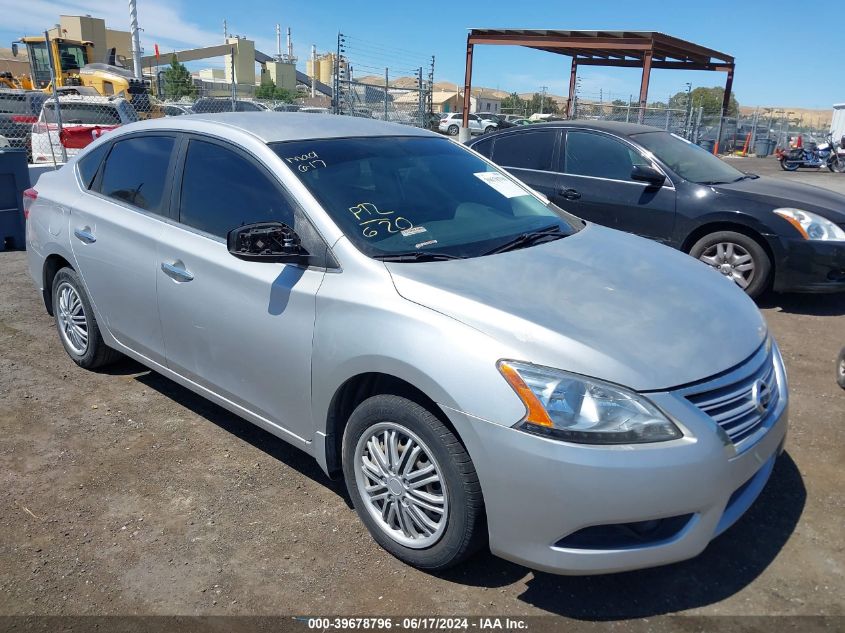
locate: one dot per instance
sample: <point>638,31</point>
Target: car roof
<point>272,126</point>
<point>616,127</point>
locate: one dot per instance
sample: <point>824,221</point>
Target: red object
<point>799,141</point>
<point>23,118</point>
<point>156,49</point>
<point>79,136</point>
<point>29,197</point>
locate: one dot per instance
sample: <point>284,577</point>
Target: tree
<point>177,81</point>
<point>513,104</point>
<point>269,90</point>
<point>710,99</point>
<point>549,104</point>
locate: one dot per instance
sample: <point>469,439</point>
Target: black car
<point>19,109</point>
<point>761,232</point>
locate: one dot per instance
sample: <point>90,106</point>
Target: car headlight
<point>584,410</point>
<point>811,226</point>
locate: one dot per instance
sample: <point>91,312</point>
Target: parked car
<point>84,119</point>
<point>476,363</point>
<point>176,109</point>
<point>450,123</point>
<point>19,109</point>
<point>840,368</point>
<point>211,105</point>
<point>760,232</point>
<point>287,107</point>
<point>520,121</point>
<point>499,119</point>
<point>315,110</point>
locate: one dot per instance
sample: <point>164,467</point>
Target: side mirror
<point>266,242</point>
<point>648,174</point>
<point>14,49</point>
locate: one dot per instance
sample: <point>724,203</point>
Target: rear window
<point>83,113</point>
<point>136,171</point>
<point>526,150</point>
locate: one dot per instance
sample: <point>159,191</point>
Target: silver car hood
<point>600,303</point>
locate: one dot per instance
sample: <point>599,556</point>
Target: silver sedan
<point>479,365</point>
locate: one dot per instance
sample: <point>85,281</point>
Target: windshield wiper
<point>747,177</point>
<point>416,256</point>
<point>528,239</point>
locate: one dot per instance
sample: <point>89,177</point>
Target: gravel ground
<point>123,493</point>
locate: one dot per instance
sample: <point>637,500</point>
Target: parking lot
<point>122,492</point>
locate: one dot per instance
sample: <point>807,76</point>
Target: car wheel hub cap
<point>732,260</point>
<point>73,326</point>
<point>401,485</point>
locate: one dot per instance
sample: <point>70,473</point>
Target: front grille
<point>738,407</point>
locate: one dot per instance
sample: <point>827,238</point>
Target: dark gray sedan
<point>761,232</point>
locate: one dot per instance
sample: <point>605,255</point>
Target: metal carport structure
<point>625,49</point>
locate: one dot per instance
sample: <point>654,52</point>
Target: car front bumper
<point>808,266</point>
<point>541,495</point>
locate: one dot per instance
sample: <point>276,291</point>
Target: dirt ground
<point>123,493</point>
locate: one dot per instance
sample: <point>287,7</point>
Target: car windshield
<point>688,160</point>
<point>417,195</point>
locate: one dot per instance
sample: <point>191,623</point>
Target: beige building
<point>283,74</point>
<point>87,28</point>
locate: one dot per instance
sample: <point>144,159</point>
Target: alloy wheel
<point>401,485</point>
<point>732,260</point>
<point>73,324</point>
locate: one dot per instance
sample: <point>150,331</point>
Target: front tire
<point>738,257</point>
<point>837,164</point>
<point>489,129</point>
<point>412,483</point>
<point>840,368</point>
<point>76,324</point>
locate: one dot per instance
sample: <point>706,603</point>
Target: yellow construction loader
<point>75,67</point>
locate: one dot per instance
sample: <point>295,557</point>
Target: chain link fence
<point>761,133</point>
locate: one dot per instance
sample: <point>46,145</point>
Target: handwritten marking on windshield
<point>371,219</point>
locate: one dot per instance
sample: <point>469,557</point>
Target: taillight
<point>22,118</point>
<point>29,198</point>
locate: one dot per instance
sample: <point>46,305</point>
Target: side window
<point>526,150</point>
<point>484,147</point>
<point>221,190</point>
<point>600,156</point>
<point>136,171</point>
<point>90,163</point>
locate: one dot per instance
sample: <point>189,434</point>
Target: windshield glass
<point>687,160</point>
<point>410,195</point>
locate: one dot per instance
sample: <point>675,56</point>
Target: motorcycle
<point>829,153</point>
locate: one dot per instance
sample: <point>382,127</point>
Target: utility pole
<point>136,39</point>
<point>225,31</point>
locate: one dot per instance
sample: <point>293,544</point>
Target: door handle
<point>84,234</point>
<point>177,271</point>
<point>570,194</point>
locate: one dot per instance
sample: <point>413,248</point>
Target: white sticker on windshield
<point>413,231</point>
<point>504,186</point>
<point>428,243</point>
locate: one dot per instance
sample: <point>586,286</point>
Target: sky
<point>782,48</point>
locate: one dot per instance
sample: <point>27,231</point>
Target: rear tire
<point>789,165</point>
<point>76,324</point>
<point>840,368</point>
<point>489,129</point>
<point>445,519</point>
<point>452,130</point>
<point>738,256</point>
